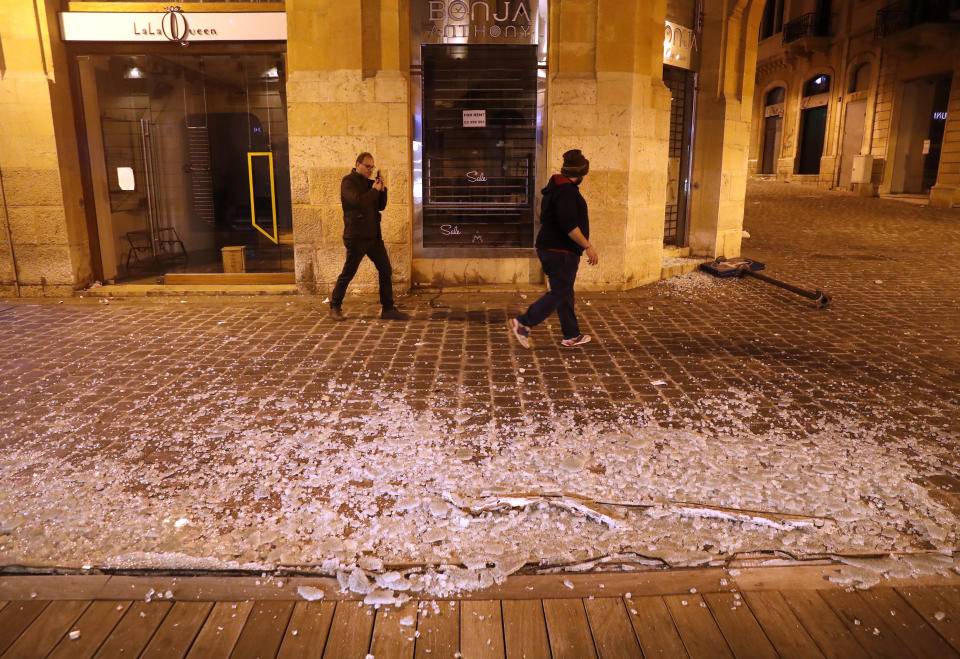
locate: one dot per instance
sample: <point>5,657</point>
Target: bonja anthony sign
<point>479,21</point>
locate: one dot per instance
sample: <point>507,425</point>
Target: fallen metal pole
<point>817,296</point>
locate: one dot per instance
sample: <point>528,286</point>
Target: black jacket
<point>562,210</point>
<point>361,207</point>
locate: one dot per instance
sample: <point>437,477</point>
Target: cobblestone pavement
<point>167,395</point>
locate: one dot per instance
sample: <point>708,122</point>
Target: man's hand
<point>592,257</point>
<point>378,185</point>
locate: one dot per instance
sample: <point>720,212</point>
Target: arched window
<point>817,85</point>
<point>860,78</point>
<point>775,95</point>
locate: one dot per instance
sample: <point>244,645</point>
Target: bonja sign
<point>679,45</point>
<point>475,21</point>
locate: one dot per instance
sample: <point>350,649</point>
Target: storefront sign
<point>680,44</point>
<point>474,118</point>
<point>174,26</point>
<point>479,21</point>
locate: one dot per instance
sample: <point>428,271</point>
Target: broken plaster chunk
<point>434,535</point>
<point>74,634</point>
<point>573,463</point>
<point>439,508</point>
<point>939,615</point>
<point>359,583</point>
<point>392,581</point>
<point>379,598</point>
<point>180,523</point>
<point>407,503</point>
<point>371,563</point>
<point>309,593</point>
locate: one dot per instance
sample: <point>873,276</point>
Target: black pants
<point>561,270</point>
<point>356,249</point>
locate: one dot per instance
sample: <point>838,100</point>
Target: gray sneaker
<point>520,331</point>
<point>576,341</point>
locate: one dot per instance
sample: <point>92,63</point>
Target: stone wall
<point>43,240</point>
<point>946,192</point>
<point>606,97</point>
<point>348,91</point>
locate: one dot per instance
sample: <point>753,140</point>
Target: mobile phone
<point>378,174</point>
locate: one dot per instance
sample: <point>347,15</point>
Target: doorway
<point>852,140</point>
<point>681,84</point>
<point>479,145</point>
<point>853,123</point>
<point>923,117</point>
<point>189,163</point>
<point>813,123</point>
<point>772,129</point>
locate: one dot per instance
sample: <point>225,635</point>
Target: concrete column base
<point>943,196</point>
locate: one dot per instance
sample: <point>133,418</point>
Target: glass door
<point>189,162</point>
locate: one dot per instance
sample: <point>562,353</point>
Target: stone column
<point>946,192</point>
<point>727,75</point>
<point>348,91</point>
<point>606,97</point>
<point>43,232</point>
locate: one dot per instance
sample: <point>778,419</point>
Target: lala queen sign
<point>173,25</point>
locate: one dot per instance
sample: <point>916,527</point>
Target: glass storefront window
<point>194,160</point>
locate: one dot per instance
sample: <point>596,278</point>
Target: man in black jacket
<point>362,199</point>
<point>564,236</point>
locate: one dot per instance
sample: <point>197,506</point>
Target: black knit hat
<point>574,164</point>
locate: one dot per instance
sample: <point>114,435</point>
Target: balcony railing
<point>901,16</point>
<point>808,25</point>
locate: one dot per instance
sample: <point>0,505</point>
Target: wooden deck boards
<point>795,621</point>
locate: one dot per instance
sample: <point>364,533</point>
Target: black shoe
<point>336,314</point>
<point>394,314</point>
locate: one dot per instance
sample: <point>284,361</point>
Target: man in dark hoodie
<point>362,199</point>
<point>564,236</point>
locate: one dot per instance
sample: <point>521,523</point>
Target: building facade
<point>205,142</point>
<point>860,95</point>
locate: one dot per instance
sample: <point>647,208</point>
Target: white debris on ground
<point>310,593</point>
<point>687,284</point>
<point>296,483</point>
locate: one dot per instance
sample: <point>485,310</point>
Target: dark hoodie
<point>562,210</point>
